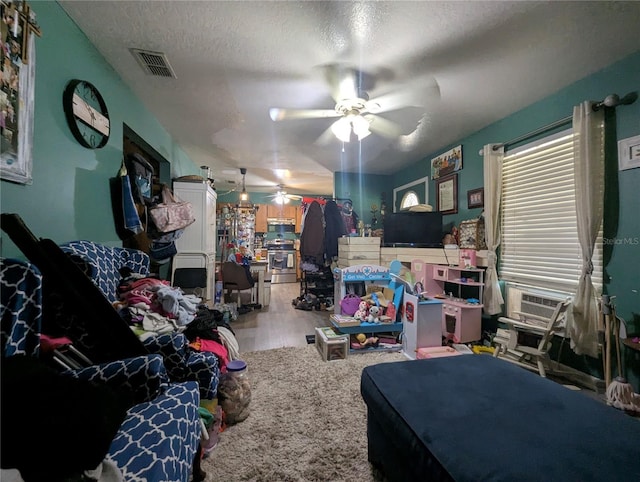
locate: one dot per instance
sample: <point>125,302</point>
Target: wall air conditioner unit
<point>531,300</point>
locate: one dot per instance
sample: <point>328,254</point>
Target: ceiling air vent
<point>154,63</point>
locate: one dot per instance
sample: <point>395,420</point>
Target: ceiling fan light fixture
<point>355,123</point>
<point>360,127</point>
<point>342,129</point>
<point>281,198</point>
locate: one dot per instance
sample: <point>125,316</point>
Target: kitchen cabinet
<point>261,218</point>
<point>196,248</point>
<point>281,211</point>
<point>298,219</point>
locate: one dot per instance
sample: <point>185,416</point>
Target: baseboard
<point>578,377</point>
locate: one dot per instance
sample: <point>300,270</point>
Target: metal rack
<point>243,227</point>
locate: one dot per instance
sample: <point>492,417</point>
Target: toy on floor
<point>364,341</point>
<point>477,349</point>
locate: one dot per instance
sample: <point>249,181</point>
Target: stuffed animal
<point>374,314</point>
<point>361,313</point>
<point>364,341</point>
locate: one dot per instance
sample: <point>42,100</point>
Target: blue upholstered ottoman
<point>471,418</point>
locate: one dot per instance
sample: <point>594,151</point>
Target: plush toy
<point>362,311</point>
<point>374,314</point>
<point>364,341</point>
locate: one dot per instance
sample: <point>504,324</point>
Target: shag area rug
<point>307,420</point>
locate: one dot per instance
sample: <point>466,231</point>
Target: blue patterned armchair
<point>159,437</point>
<point>103,265</point>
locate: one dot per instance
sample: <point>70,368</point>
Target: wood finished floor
<point>279,324</point>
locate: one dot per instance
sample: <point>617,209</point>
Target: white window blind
<point>539,233</point>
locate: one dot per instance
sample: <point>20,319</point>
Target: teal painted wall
<point>225,197</point>
<point>622,225</point>
<point>363,190</point>
<point>69,198</point>
<point>620,78</point>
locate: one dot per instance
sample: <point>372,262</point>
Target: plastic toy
<point>364,341</point>
<point>374,314</point>
<point>362,311</point>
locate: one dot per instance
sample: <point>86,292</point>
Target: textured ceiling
<point>450,68</point>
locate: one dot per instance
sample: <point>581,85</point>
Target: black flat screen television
<point>413,229</point>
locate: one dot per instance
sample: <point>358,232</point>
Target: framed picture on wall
<point>17,91</point>
<point>629,153</point>
<point>475,198</point>
<point>446,163</point>
<point>447,194</point>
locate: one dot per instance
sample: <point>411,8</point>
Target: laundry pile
<point>152,305</point>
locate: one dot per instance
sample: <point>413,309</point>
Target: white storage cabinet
<point>197,245</point>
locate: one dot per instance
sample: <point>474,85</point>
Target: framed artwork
<point>629,153</point>
<point>447,163</point>
<point>475,198</point>
<point>17,90</point>
<point>447,194</point>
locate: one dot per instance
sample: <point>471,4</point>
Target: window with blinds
<point>539,245</point>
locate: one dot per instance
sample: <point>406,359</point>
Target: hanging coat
<point>312,236</point>
<point>334,229</point>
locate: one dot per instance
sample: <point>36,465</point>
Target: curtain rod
<point>612,100</point>
<point>541,130</point>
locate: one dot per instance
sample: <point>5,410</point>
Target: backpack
<point>141,175</point>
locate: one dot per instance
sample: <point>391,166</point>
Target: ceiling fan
<point>358,115</point>
<point>281,196</point>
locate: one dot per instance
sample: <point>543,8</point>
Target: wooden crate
<point>359,240</point>
<point>331,345</point>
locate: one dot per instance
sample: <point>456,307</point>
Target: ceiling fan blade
<point>382,126</point>
<point>342,81</point>
<point>405,97</point>
<point>287,114</point>
<point>326,137</point>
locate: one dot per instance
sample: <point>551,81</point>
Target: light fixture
<point>360,127</point>
<point>244,195</point>
<point>355,123</point>
<point>281,198</point>
<point>342,129</point>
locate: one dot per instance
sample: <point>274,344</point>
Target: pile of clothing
<point>152,305</point>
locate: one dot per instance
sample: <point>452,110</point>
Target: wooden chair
<point>530,337</point>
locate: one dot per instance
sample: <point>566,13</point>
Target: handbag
<point>172,213</point>
<point>162,252</point>
<point>349,304</point>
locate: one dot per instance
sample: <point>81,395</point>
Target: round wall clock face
<point>86,114</point>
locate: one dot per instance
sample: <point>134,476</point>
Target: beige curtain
<point>588,159</point>
<point>493,300</point>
